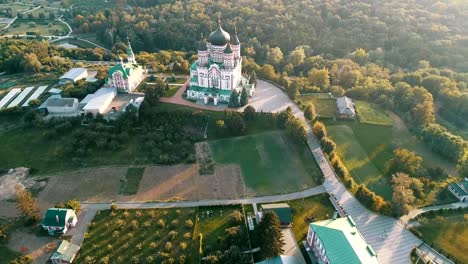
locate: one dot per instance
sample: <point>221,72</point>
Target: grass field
<point>132,181</point>
<point>23,27</point>
<point>317,208</point>
<point>270,162</point>
<point>172,91</point>
<point>366,148</point>
<point>32,149</point>
<point>325,107</point>
<point>372,114</point>
<point>132,236</point>
<point>449,233</point>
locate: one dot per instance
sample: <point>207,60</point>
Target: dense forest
<point>395,33</point>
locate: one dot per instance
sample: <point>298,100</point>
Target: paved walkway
<point>178,99</point>
<point>89,210</point>
<point>290,246</point>
<point>413,213</point>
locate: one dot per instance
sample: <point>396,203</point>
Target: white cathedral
<point>218,70</point>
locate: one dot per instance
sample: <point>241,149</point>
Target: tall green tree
<point>244,98</point>
<point>269,236</point>
<point>309,112</point>
<point>319,78</point>
<point>297,130</point>
<point>404,160</point>
<point>234,99</point>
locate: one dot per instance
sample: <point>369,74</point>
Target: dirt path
<point>28,243</point>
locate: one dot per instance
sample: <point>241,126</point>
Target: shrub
<point>138,213</point>
<point>114,207</point>
<point>173,235</point>
<point>187,235</point>
<point>153,245</point>
<point>189,223</point>
<point>168,246</point>
<point>237,217</point>
<point>175,223</point>
<point>328,145</point>
<point>161,223</point>
<point>134,224</point>
<point>183,245</point>
<point>319,130</point>
<point>75,205</point>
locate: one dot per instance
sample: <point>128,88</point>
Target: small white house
<point>345,107</point>
<point>58,220</point>
<point>65,253</point>
<point>74,75</point>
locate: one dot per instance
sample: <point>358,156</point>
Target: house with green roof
<point>459,190</point>
<point>336,241</point>
<point>282,210</point>
<point>65,253</point>
<point>58,220</point>
<point>126,77</point>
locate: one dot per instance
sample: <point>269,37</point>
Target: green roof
<point>462,191</point>
<point>66,251</point>
<point>50,218</point>
<point>122,68</point>
<point>282,210</point>
<point>342,241</point>
<point>194,65</point>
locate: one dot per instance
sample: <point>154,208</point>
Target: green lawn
<point>364,150</point>
<point>372,114</point>
<point>131,236</point>
<point>270,162</point>
<point>316,207</point>
<point>325,107</point>
<point>449,233</point>
<point>214,225</point>
<point>172,90</point>
<point>31,148</point>
<point>177,80</point>
<point>23,27</point>
<point>130,185</point>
